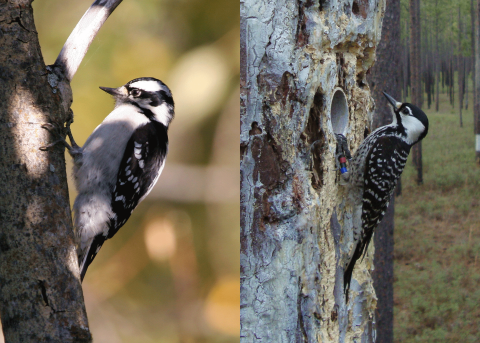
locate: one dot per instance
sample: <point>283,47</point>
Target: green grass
<point>437,241</point>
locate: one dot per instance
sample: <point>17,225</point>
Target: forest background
<point>436,224</point>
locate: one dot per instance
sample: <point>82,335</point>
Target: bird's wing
<point>383,166</point>
<point>141,165</point>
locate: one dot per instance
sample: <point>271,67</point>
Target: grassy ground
<point>437,241</point>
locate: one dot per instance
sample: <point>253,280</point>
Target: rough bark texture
<point>41,297</point>
<point>416,79</point>
<point>385,76</point>
<point>296,225</point>
<point>472,23</point>
<point>437,63</point>
<point>460,68</point>
<point>476,108</point>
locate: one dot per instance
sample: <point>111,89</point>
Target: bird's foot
<point>342,153</point>
<point>60,132</point>
<point>342,146</point>
<point>75,146</point>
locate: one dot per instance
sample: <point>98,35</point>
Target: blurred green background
<point>171,274</point>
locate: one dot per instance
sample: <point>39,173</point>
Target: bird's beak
<point>120,91</point>
<point>392,101</point>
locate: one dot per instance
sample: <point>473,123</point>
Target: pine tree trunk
<point>303,78</point>
<point>406,69</point>
<point>41,297</point>
<point>461,89</point>
<point>465,81</point>
<point>437,63</point>
<point>461,69</point>
<point>472,22</point>
<point>385,77</point>
<point>476,108</point>
<point>416,81</point>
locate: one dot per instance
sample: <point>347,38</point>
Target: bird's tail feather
<point>347,275</point>
<point>82,257</point>
<point>88,253</point>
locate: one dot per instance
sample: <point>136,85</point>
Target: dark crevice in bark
<point>302,34</point>
<point>19,22</point>
<point>301,324</point>
<point>322,5</point>
<point>360,8</point>
<point>340,69</point>
<point>43,290</point>
<point>286,91</point>
<point>361,82</point>
<point>316,140</point>
<point>255,129</point>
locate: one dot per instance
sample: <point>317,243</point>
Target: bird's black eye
<point>135,92</point>
<point>406,111</point>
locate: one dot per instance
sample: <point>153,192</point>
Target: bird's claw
<point>46,147</point>
<point>342,146</point>
<point>58,131</point>
<point>49,126</point>
<point>342,153</point>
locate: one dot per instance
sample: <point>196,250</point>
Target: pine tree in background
<point>385,76</point>
<point>416,78</point>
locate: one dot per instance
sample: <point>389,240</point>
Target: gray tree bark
<point>41,296</point>
<point>416,79</point>
<point>437,62</point>
<point>303,78</point>
<point>472,23</point>
<point>385,77</point>
<point>460,69</point>
<point>476,108</point>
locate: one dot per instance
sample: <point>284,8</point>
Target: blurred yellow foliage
<point>160,239</point>
<point>222,307</point>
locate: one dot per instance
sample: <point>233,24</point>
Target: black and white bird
<point>119,163</point>
<point>375,170</point>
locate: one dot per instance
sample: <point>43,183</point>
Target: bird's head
<point>412,121</point>
<point>151,96</point>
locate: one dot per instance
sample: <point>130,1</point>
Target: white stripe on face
<point>149,86</point>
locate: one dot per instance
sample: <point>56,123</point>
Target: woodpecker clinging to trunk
<point>375,170</point>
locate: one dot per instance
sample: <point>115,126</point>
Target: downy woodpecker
<point>119,163</point>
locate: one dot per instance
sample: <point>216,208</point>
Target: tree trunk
<point>477,84</point>
<point>472,22</point>
<point>416,81</point>
<point>41,297</point>
<point>461,68</point>
<point>461,84</point>
<point>406,69</point>
<point>437,61</point>
<point>385,76</point>
<point>302,79</point>
<point>465,79</point>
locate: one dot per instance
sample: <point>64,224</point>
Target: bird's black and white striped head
<point>151,96</point>
<point>410,120</point>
